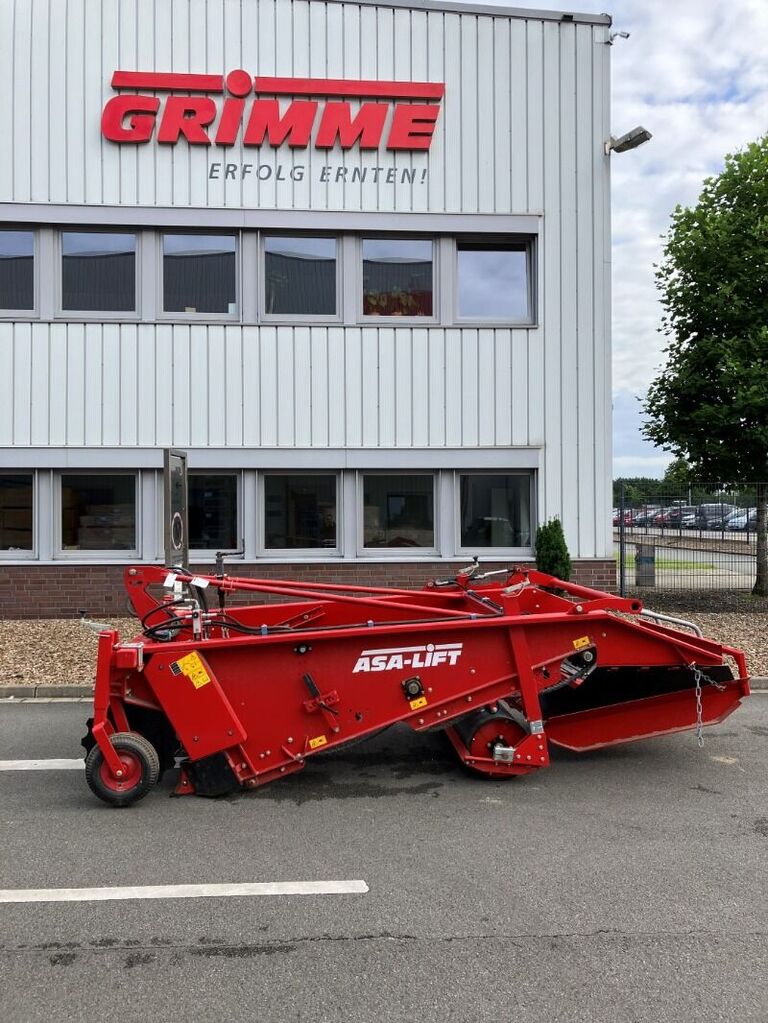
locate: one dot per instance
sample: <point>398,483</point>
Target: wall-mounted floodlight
<point>631,140</point>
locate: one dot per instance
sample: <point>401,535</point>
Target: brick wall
<point>58,591</point>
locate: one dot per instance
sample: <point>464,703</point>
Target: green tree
<point>678,472</point>
<point>709,405</point>
<point>552,554</point>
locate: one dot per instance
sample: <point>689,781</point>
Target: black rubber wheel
<point>141,767</point>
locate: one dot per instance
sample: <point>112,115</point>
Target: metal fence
<point>687,537</point>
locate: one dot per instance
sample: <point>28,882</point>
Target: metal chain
<point>698,675</point>
<point>699,713</point>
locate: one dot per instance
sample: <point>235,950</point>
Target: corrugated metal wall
<point>217,386</point>
<point>521,131</point>
<point>511,88</point>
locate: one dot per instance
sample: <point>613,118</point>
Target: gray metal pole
<point>622,545</point>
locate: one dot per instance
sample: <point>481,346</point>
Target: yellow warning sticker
<point>579,644</point>
<point>419,703</point>
<point>319,740</point>
<point>193,668</point>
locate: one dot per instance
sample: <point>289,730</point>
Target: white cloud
<point>694,73</point>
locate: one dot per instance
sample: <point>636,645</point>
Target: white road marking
<point>183,891</point>
<point>42,765</point>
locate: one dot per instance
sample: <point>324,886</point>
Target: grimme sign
<point>392,115</point>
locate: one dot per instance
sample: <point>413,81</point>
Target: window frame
<point>305,553</point>
<point>528,243</point>
<point>490,553</point>
<point>384,553</point>
<point>32,554</point>
<point>108,556</point>
<point>165,316</point>
<point>317,319</point>
<point>34,312</point>
<point>208,553</point>
<point>97,315</point>
<point>370,320</point>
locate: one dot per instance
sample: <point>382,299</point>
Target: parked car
<point>677,515</point>
<point>628,521</point>
<point>644,515</point>
<point>709,516</point>
<point>746,519</point>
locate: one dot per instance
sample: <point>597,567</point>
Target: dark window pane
<point>398,511</point>
<point>199,273</point>
<point>300,511</point>
<point>496,511</point>
<point>98,271</point>
<point>212,512</point>
<point>98,513</point>
<point>397,277</point>
<point>16,512</point>
<point>300,276</point>
<point>17,270</point>
<point>493,281</point>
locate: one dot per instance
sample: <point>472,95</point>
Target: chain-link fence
<point>685,537</point>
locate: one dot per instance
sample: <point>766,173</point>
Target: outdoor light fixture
<point>631,140</point>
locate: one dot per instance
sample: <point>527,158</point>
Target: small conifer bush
<point>552,554</point>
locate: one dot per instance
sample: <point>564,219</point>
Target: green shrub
<point>552,554</point>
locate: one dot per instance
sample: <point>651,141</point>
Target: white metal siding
<point>521,131</point>
<point>57,59</point>
<point>231,386</point>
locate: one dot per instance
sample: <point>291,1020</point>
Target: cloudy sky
<point>695,73</point>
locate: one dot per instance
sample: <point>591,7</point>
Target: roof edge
<point>458,7</point>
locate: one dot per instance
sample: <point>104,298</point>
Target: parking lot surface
<point>627,884</point>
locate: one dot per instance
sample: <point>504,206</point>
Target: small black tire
<point>141,765</point>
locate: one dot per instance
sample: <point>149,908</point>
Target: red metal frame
<point>270,684</point>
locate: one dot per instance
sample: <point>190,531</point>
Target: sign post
<point>175,508</point>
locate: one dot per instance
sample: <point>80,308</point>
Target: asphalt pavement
<point>627,884</point>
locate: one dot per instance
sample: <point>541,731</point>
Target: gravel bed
<point>62,651</point>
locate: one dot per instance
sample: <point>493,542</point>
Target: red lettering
<point>229,125</point>
<point>140,112</point>
<point>337,123</point>
<point>413,125</point>
<point>294,126</point>
<point>188,116</point>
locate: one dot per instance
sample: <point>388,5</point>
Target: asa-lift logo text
<point>431,655</point>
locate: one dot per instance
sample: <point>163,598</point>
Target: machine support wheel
<point>141,768</point>
<point>481,731</point>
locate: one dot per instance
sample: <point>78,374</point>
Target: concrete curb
<point>51,692</point>
<point>45,692</point>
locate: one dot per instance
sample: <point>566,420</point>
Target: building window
<point>98,512</point>
<point>495,510</point>
<point>493,281</point>
<point>199,273</point>
<point>397,277</point>
<point>98,271</point>
<point>212,512</point>
<point>17,270</point>
<point>299,276</point>
<point>398,511</point>
<point>299,512</point>
<point>16,512</point>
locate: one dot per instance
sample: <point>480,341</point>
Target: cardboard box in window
<point>108,521</point>
<point>15,518</point>
<point>105,538</point>
<point>407,536</point>
<point>371,514</point>
<point>16,498</point>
